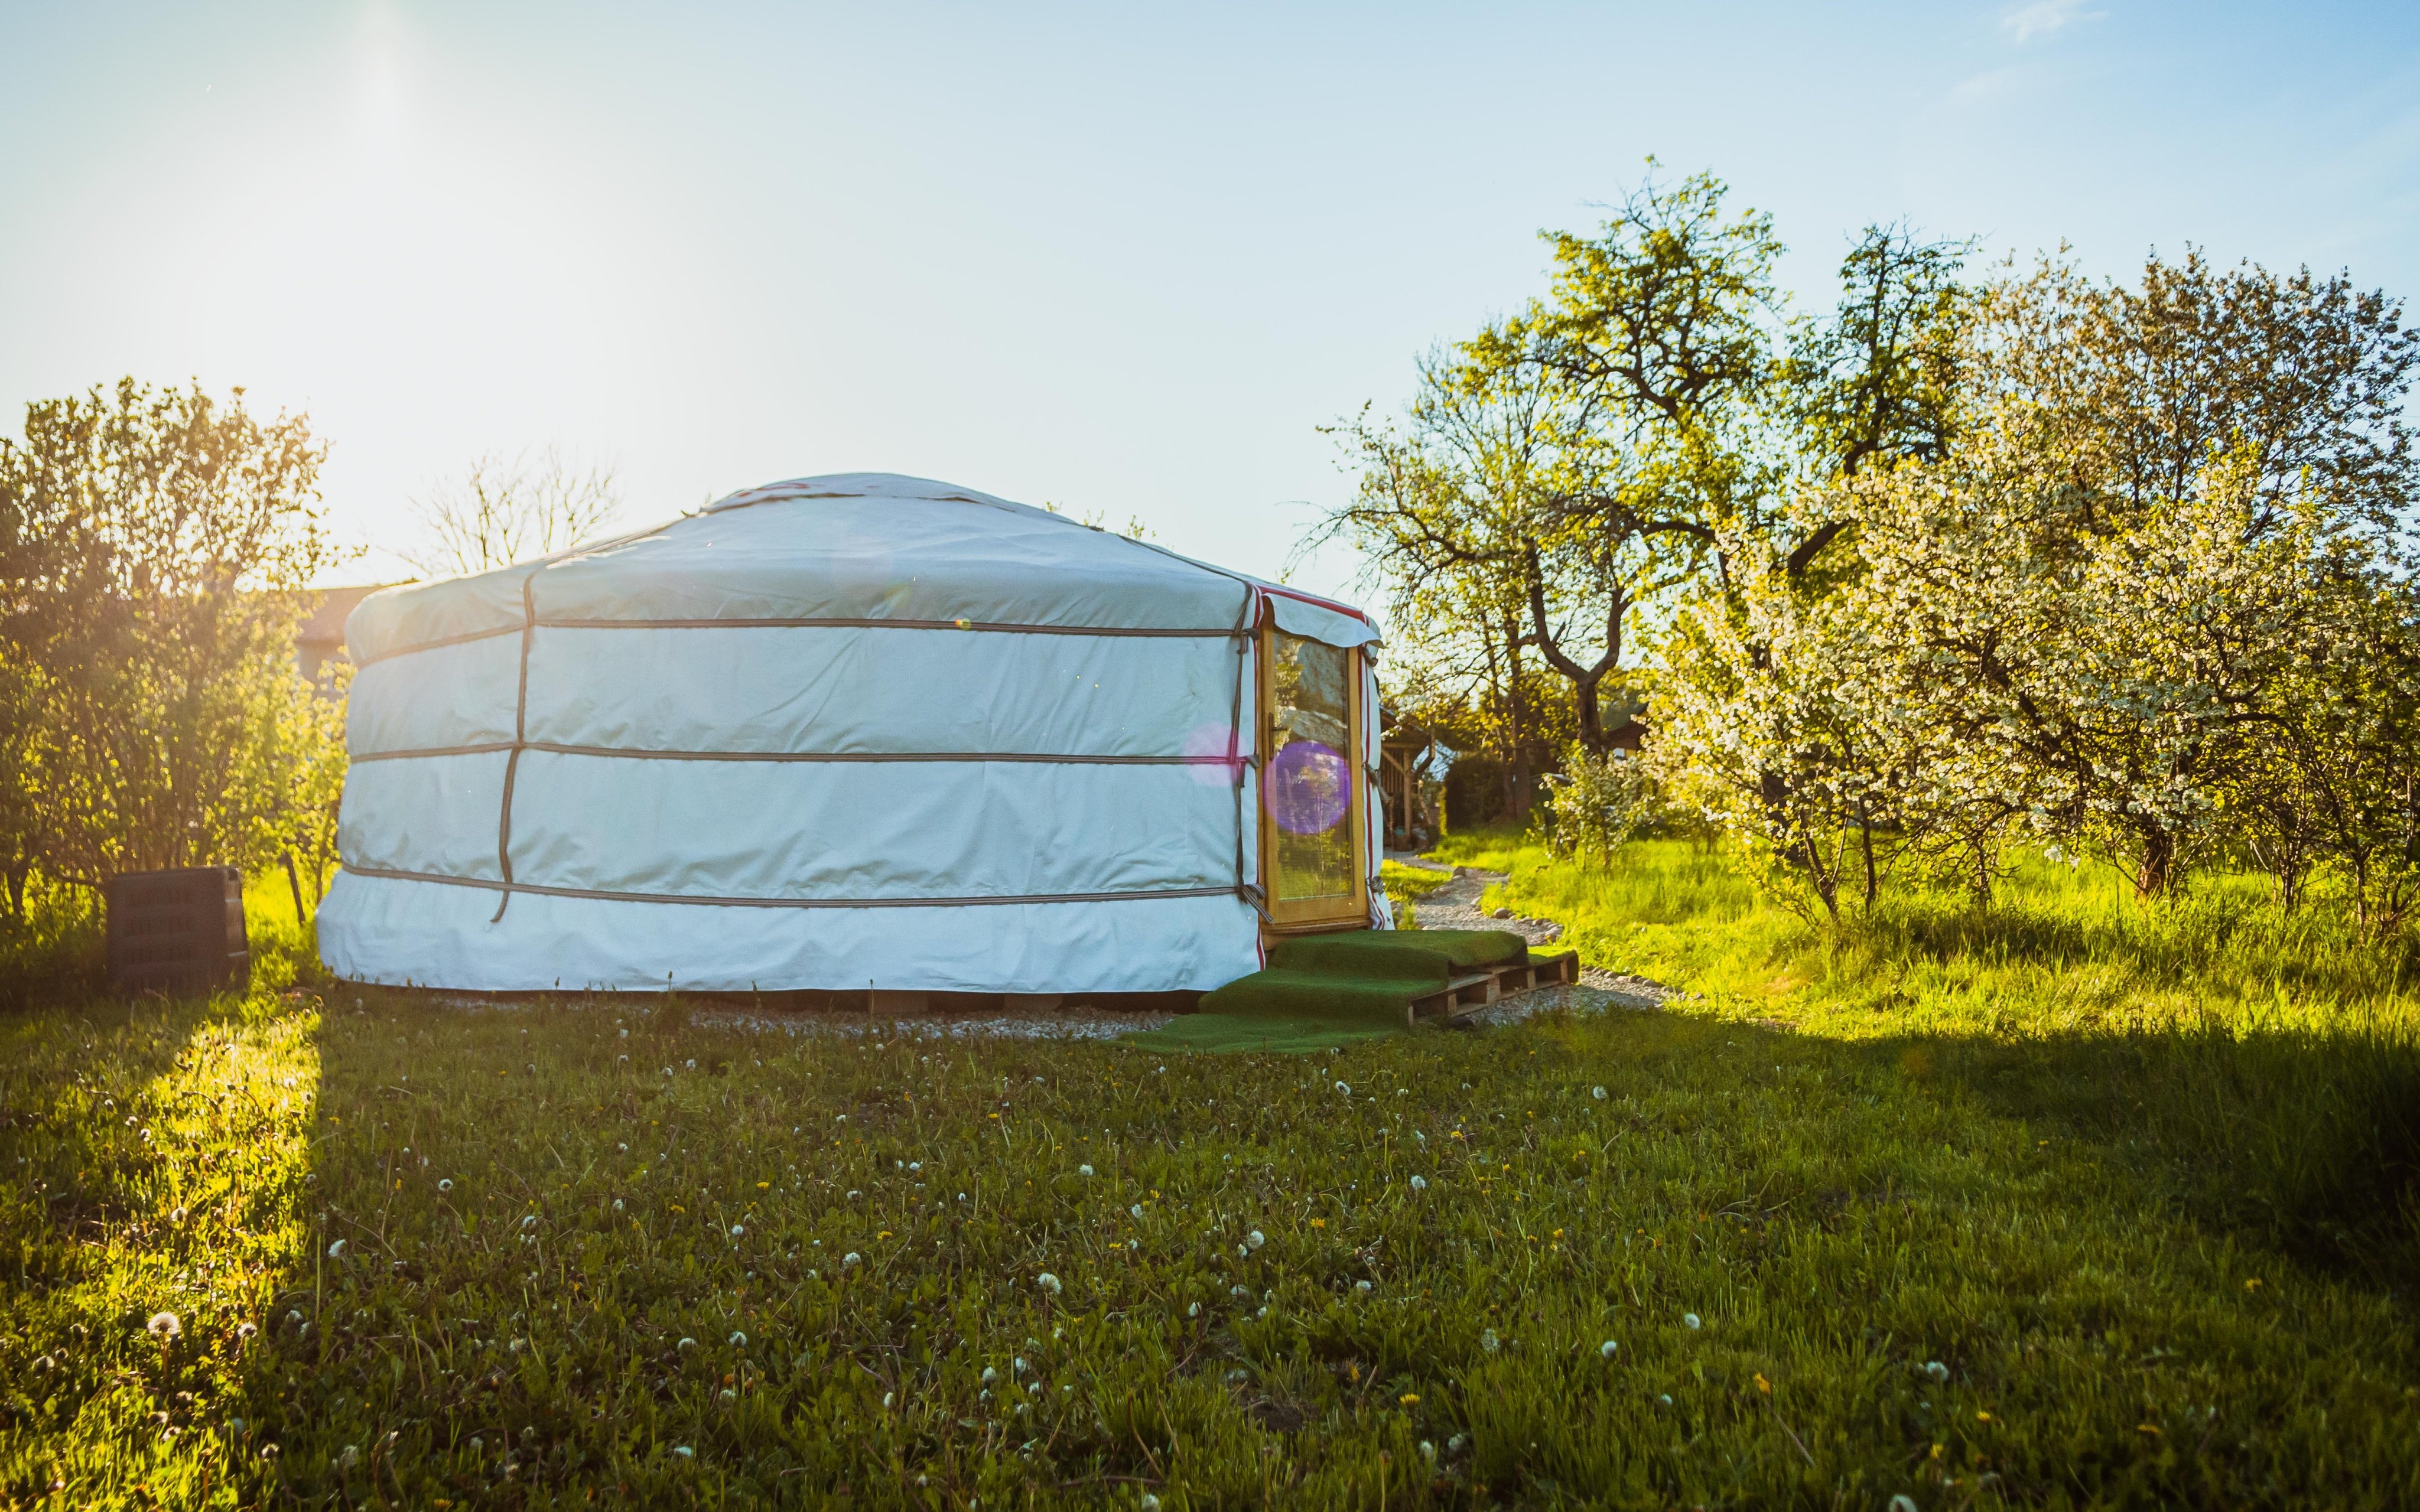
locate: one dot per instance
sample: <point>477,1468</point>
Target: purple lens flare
<point>1310,788</point>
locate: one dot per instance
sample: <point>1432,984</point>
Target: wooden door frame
<point>1319,916</point>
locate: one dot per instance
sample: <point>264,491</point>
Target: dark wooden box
<point>179,930</point>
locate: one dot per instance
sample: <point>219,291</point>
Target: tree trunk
<point>1827,884</point>
<point>1517,773</point>
<point>1866,844</point>
<point>2153,868</point>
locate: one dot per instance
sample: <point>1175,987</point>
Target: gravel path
<point>1455,905</point>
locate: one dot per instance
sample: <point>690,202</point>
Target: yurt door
<point>1313,812</point>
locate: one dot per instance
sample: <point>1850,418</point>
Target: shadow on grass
<point>526,1340</point>
<point>2302,1142</point>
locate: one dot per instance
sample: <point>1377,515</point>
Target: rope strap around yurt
<point>521,740</point>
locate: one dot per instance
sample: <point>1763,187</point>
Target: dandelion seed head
<point>165,1327</point>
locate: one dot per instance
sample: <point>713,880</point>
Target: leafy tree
<point>155,545</point>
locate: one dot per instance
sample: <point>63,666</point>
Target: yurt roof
<point>857,548</point>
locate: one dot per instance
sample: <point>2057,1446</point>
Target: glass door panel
<point>1311,787</point>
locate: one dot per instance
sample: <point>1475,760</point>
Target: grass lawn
<point>2063,1205</point>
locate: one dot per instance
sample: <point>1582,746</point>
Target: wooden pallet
<point>1469,993</point>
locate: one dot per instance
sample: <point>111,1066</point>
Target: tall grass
<point>2273,1060</point>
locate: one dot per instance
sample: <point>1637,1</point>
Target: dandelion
<point>1937,1370</point>
<point>692,1065</point>
<point>1410,1398</point>
<point>850,1259</point>
<point>1084,1171</point>
<point>1361,1286</point>
<point>445,1184</point>
<point>989,1376</point>
<point>685,1451</point>
<point>1691,1320</point>
<point>1346,1091</point>
<point>294,1315</point>
<point>529,1221</point>
<point>687,1344</point>
<point>1427,1450</point>
<point>1902,1502</point>
<point>1151,1502</point>
<point>243,1331</point>
<point>176,1216</point>
<point>1608,1349</point>
<point>1597,1092</point>
<point>739,1339</point>
<point>1135,1212</point>
<point>736,1230</point>
<point>886,1402</point>
<point>1193,1309</point>
<point>336,1249</point>
<point>1048,1282</point>
<point>1420,1183</point>
<point>1488,1341</point>
<point>617,1204</point>
<point>268,1451</point>
<point>165,1327</point>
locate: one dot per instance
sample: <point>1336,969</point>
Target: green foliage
<point>1597,803</point>
<point>155,546</point>
<point>2064,1195</point>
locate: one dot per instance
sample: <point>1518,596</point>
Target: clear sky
<point>1123,258</point>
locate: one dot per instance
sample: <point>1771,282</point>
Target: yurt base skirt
<point>403,932</point>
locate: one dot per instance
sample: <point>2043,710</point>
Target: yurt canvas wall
<point>842,732</point>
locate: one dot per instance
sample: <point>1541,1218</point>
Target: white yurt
<point>852,733</point>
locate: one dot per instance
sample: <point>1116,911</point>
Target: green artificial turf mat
<point>1321,990</point>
